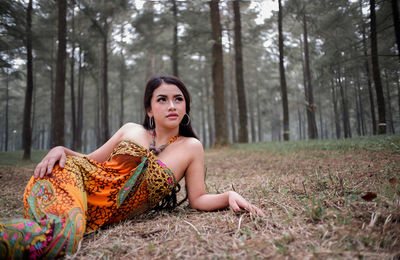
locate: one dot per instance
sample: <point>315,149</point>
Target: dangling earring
<point>188,122</point>
<point>151,122</point>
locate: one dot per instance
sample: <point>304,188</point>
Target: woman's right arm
<point>59,153</point>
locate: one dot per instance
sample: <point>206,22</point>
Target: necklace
<point>158,150</point>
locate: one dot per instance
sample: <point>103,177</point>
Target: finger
<point>62,160</point>
<point>258,211</point>
<point>36,171</point>
<point>235,206</point>
<point>50,165</point>
<point>43,168</point>
<point>42,171</point>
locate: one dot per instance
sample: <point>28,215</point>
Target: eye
<point>161,99</point>
<point>179,99</point>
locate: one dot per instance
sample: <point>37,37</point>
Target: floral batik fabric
<point>82,197</point>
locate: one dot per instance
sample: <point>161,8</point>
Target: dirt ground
<point>318,204</point>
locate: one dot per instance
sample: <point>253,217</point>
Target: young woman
<point>136,170</point>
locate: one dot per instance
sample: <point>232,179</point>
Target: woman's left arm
<point>198,198</point>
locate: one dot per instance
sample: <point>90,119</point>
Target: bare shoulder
<point>131,131</point>
<point>193,145</point>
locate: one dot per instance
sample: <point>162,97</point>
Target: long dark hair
<point>185,128</point>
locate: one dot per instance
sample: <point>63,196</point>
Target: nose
<point>171,105</point>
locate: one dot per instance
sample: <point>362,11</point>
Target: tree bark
<point>361,107</point>
<point>81,80</point>
<point>175,40</point>
<point>59,108</point>
<point>389,103</point>
<point>260,126</point>
<point>358,112</point>
<point>285,108</point>
<point>232,86</point>
<point>6,111</point>
<point>311,108</point>
<point>241,94</point>
<point>122,75</point>
<point>376,71</point>
<point>396,23</point>
<point>368,75</point>
<point>345,111</point>
<point>335,111</point>
<point>72,85</point>
<point>106,132</point>
<point>221,137</point>
<point>27,129</point>
<point>52,98</point>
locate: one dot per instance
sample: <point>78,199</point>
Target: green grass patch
<point>15,157</point>
<point>389,143</point>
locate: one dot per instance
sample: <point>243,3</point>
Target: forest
<point>72,72</point>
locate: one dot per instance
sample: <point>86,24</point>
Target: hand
<point>48,162</point>
<point>236,202</point>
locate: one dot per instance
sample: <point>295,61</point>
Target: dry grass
<point>312,199</point>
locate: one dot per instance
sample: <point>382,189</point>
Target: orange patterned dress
<point>81,197</point>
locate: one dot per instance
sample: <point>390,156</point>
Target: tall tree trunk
<point>81,79</point>
<point>396,23</point>
<point>361,106</point>
<point>232,86</point>
<point>27,130</point>
<point>58,115</point>
<point>175,40</point>
<point>376,71</point>
<point>260,126</point>
<point>72,85</point>
<point>252,119</point>
<point>221,137</point>
<point>370,92</point>
<point>122,75</point>
<point>285,107</point>
<point>358,112</point>
<point>6,112</point>
<point>209,116</point>
<point>98,126</point>
<point>389,105</point>
<point>203,108</point>
<point>33,113</point>
<point>300,122</point>
<point>335,111</point>
<point>311,108</point>
<point>52,90</point>
<point>345,111</point>
<point>106,132</point>
<point>398,90</point>
<point>241,94</point>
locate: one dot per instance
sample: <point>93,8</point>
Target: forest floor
<point>322,199</point>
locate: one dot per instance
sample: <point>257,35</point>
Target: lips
<point>172,115</point>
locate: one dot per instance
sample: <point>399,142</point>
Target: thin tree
<point>241,94</point>
<point>370,92</point>
<point>81,79</point>
<point>221,137</point>
<point>396,23</point>
<point>376,71</point>
<point>58,115</point>
<point>72,85</point>
<point>312,125</point>
<point>6,111</point>
<point>27,128</point>
<point>283,77</point>
<point>175,40</point>
<point>122,75</point>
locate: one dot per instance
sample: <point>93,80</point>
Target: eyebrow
<point>162,95</point>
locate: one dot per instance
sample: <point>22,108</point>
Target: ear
<point>149,113</point>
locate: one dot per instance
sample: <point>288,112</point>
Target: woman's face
<point>168,106</point>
